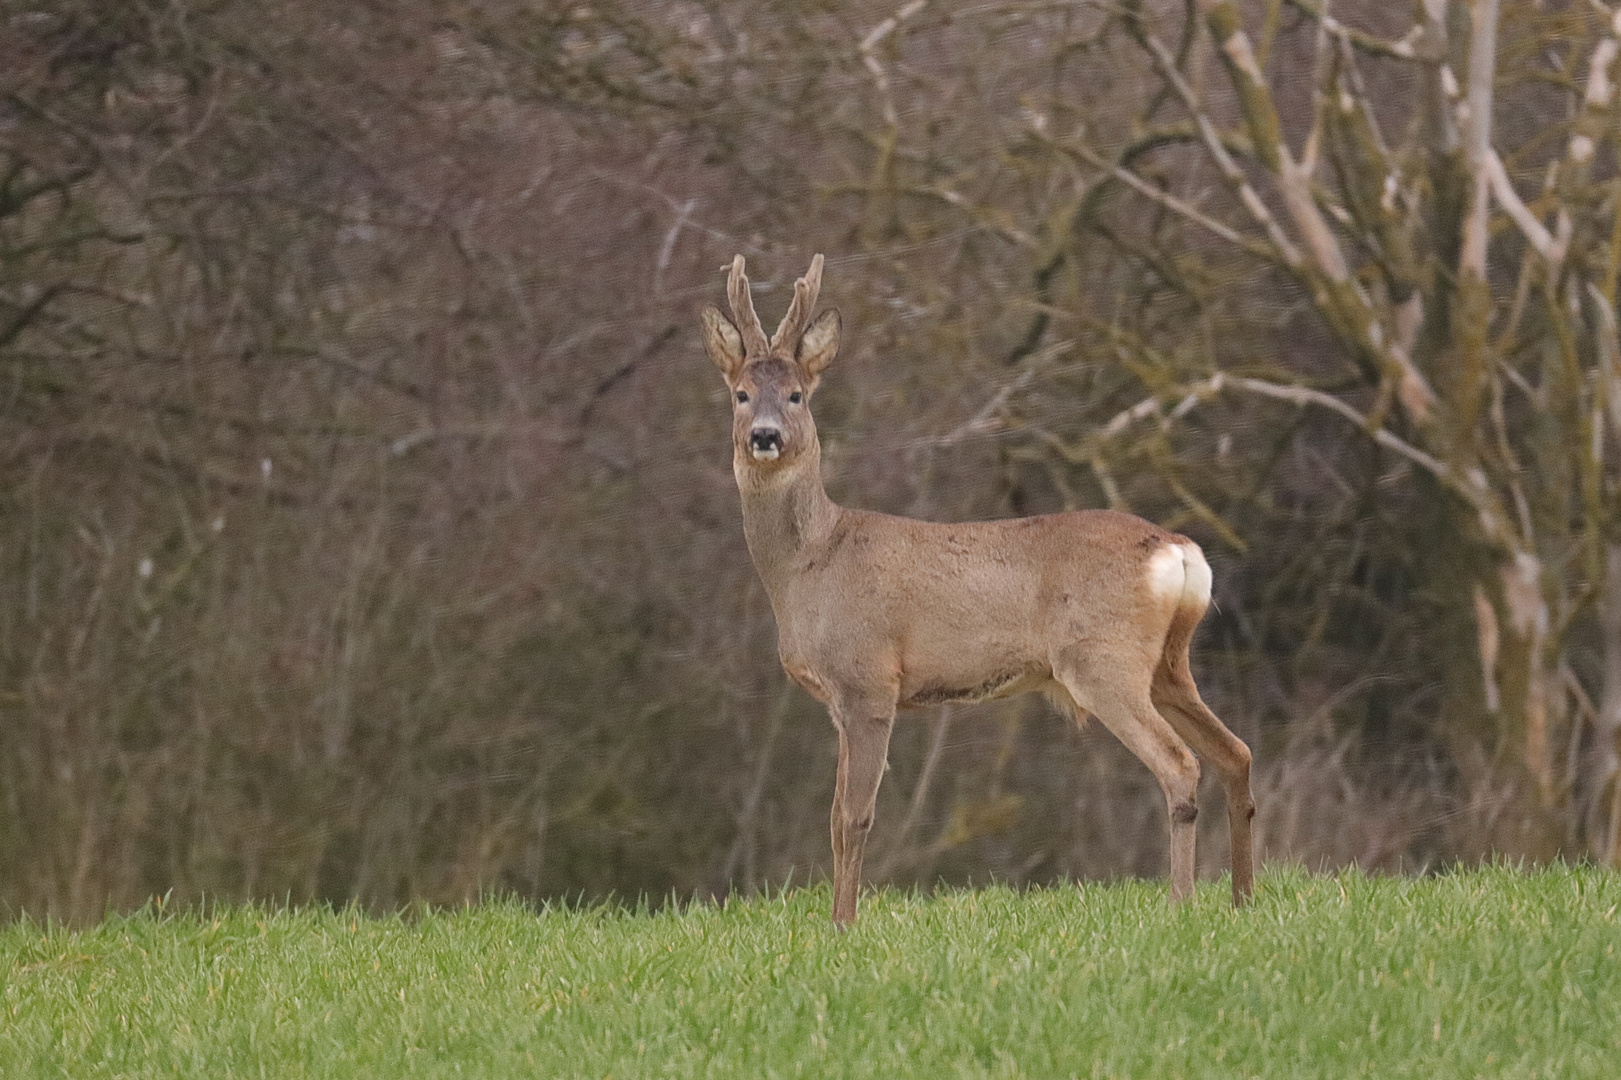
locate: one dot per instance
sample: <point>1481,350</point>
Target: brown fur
<point>876,612</point>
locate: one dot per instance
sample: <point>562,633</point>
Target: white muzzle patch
<point>771,453</point>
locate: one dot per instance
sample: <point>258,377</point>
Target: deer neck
<point>787,517</point>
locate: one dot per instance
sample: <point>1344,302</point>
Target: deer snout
<point>765,443</point>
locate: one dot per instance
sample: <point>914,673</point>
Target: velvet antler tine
<point>799,310</point>
<point>813,284</point>
<point>748,323</point>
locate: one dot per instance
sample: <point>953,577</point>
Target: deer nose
<point>765,442</point>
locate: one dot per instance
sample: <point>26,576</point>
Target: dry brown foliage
<point>366,524</point>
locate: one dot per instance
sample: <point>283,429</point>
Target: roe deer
<point>876,613</point>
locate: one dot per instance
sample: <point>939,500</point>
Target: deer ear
<point>819,344</point>
<point>723,342</point>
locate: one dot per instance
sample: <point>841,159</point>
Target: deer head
<point>771,380</point>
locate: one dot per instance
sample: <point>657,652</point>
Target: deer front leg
<point>863,750</point>
<point>837,822</point>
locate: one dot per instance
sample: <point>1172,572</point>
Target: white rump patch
<point>1166,575</point>
<point>1198,587</point>
<point>1180,572</point>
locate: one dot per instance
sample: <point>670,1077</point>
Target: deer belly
<point>982,686</point>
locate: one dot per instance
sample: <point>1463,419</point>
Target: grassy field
<point>1482,973</point>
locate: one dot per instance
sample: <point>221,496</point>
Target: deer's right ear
<point>723,342</point>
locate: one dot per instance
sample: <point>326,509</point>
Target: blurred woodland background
<point>367,527</point>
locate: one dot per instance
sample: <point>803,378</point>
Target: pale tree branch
<point>1182,208</point>
<point>1339,296</point>
<point>1437,127</point>
<point>1166,63</point>
<point>1476,121</point>
<point>1414,45</point>
<point>1548,245</point>
<point>1255,99</point>
<point>1471,486</point>
<point>1310,153</point>
<point>1607,391</point>
<point>869,55</point>
<point>1597,95</point>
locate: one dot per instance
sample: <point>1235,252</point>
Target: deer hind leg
<point>863,751</point>
<point>1124,707</point>
<point>1176,696</point>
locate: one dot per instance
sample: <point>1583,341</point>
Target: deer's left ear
<point>723,342</point>
<point>819,345</point>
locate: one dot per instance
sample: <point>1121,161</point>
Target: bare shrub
<point>365,528</point>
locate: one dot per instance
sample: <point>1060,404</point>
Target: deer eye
<point>742,397</point>
<point>793,398</point>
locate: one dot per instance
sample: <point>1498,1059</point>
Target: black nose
<point>765,438</point>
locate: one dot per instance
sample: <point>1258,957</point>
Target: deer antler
<point>799,311</point>
<point>737,291</point>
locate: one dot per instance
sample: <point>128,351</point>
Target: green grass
<point>1491,972</point>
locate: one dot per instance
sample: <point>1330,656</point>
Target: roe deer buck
<point>1093,607</point>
